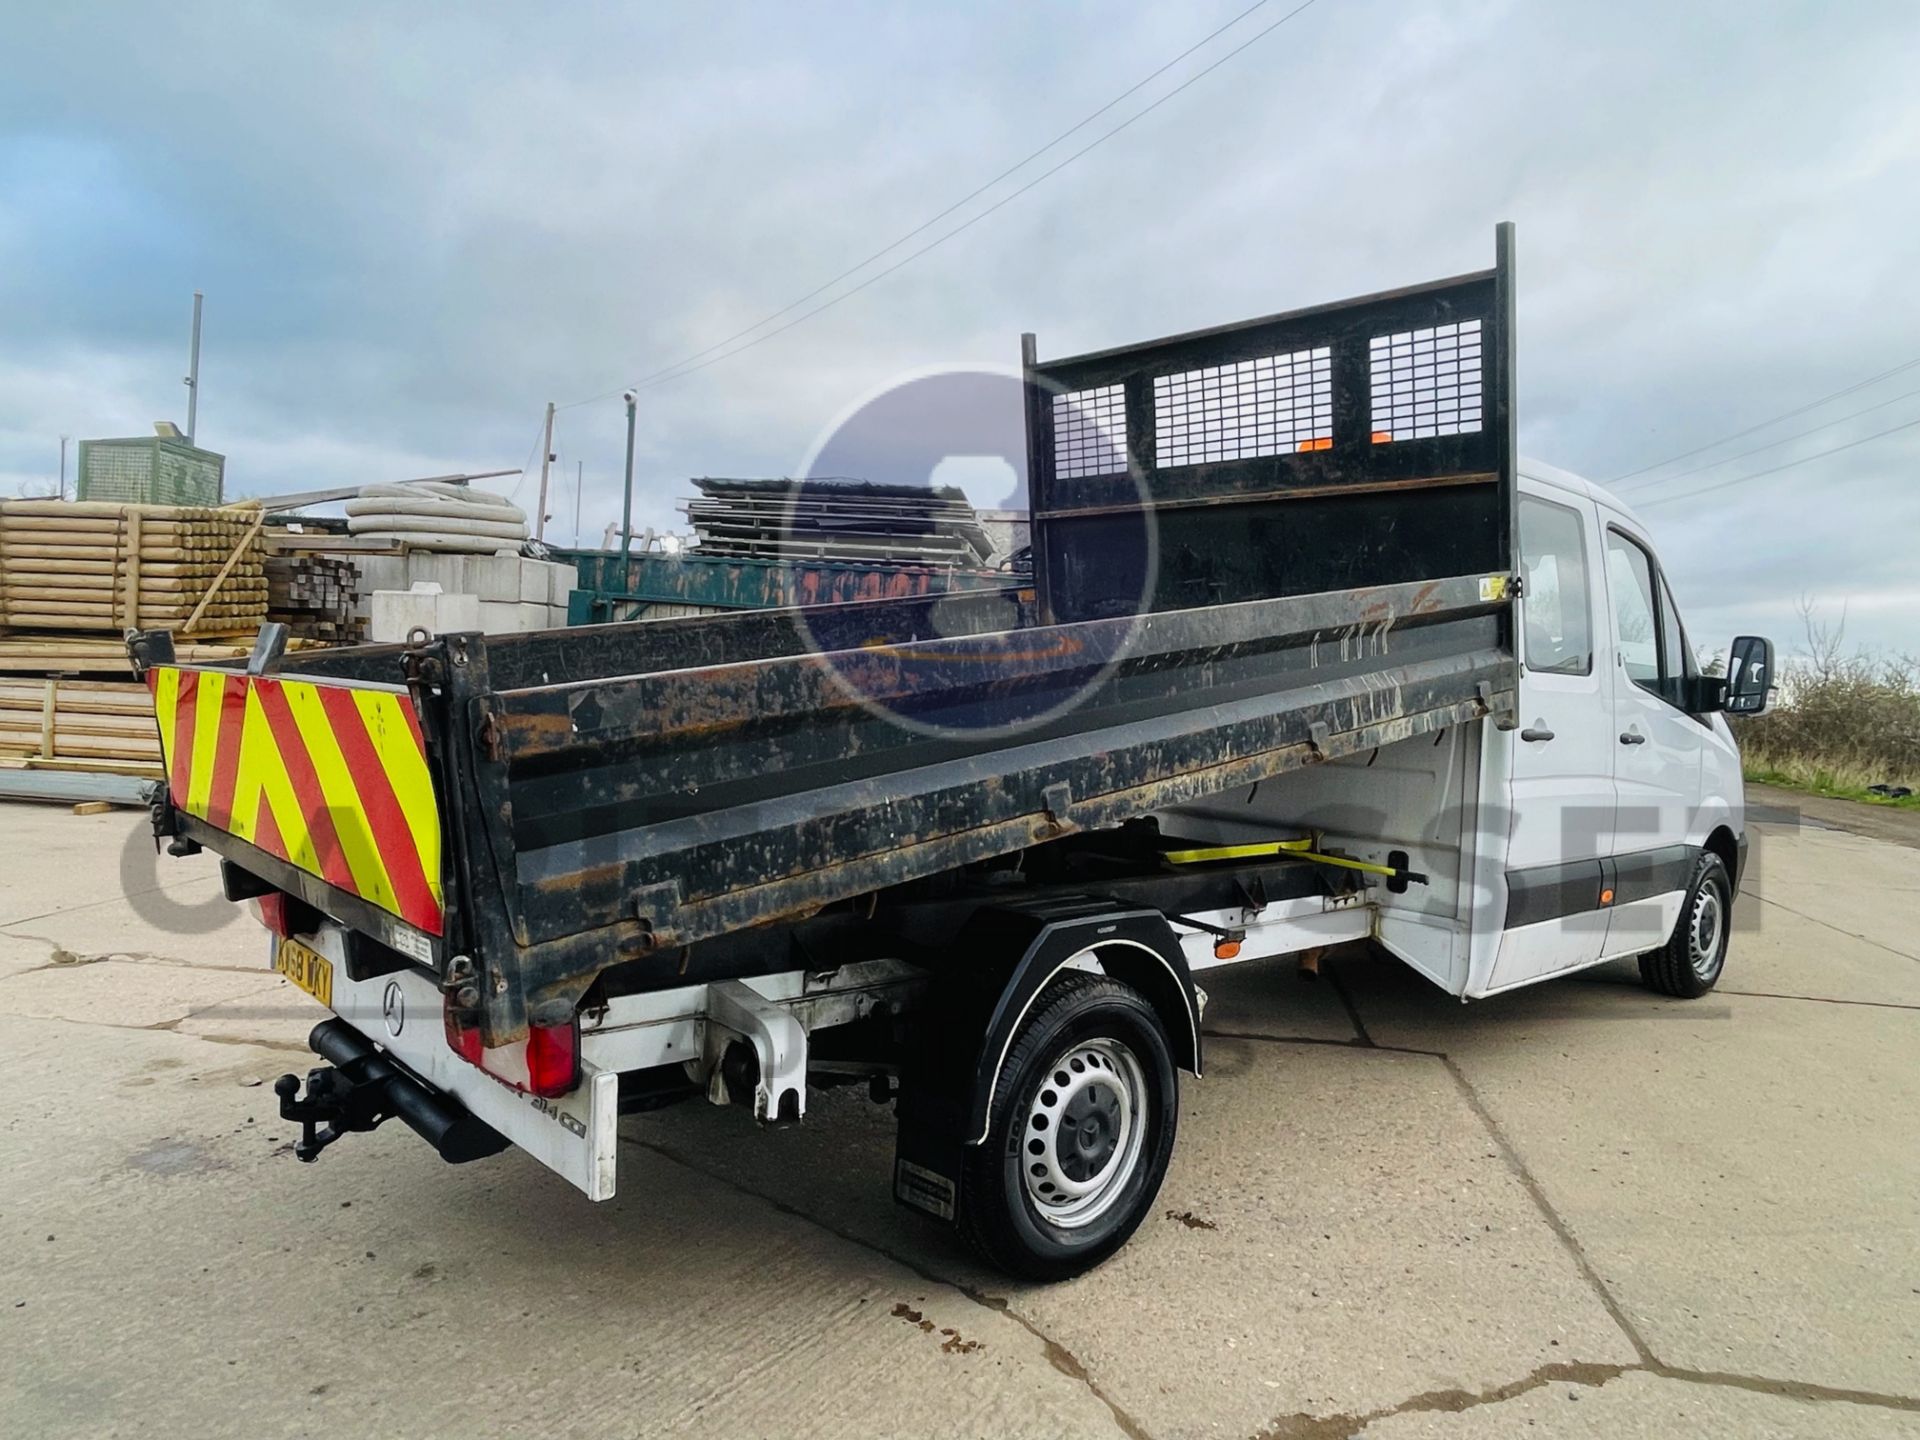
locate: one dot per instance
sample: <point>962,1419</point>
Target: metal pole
<point>63,466</point>
<point>626,512</point>
<point>579,472</point>
<point>546,459</point>
<point>193,370</point>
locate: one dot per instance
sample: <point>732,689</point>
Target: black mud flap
<point>983,987</point>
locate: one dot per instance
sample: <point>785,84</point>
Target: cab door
<point>1657,753</point>
<point>1560,792</point>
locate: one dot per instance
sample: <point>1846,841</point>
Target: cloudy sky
<point>414,230</point>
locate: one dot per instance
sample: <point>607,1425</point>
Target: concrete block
<point>511,617</point>
<point>494,577</point>
<point>534,585</point>
<point>425,606</point>
<point>449,572</point>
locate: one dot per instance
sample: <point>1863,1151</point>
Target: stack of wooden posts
<point>315,596</point>
<point>101,725</point>
<point>69,566</point>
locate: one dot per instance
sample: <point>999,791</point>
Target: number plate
<point>307,968</point>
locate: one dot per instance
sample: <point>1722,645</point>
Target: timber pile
<point>94,566</point>
<point>79,725</point>
<point>315,596</point>
<point>855,522</point>
<point>100,655</point>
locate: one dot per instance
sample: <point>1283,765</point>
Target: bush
<point>1841,722</point>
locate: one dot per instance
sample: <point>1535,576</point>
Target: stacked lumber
<point>851,521</point>
<point>79,566</point>
<point>315,596</point>
<point>100,655</point>
<point>79,724</point>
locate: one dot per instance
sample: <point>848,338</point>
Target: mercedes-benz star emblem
<point>393,1008</point>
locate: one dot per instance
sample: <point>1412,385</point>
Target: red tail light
<point>462,1039</point>
<point>276,912</point>
<point>553,1059</point>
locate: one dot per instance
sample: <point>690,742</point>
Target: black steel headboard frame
<point>1287,471</point>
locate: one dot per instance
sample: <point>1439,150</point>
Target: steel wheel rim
<point>1085,1131</point>
<point>1706,932</point>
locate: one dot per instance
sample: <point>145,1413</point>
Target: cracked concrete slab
<point>1337,1231</point>
<point>1737,1171</point>
<point>1640,1404</point>
<point>1860,887</point>
<point>1740,1171</point>
<point>128,993</point>
<point>173,1275</point>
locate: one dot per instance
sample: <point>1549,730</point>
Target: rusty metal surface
<point>615,820</point>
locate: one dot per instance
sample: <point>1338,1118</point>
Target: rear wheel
<point>1689,964</point>
<point>1079,1134</point>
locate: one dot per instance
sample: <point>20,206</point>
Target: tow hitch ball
<point>333,1101</point>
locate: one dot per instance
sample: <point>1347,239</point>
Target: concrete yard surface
<point>1578,1209</point>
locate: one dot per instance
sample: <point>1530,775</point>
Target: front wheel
<point>1689,964</point>
<point>1079,1134</point>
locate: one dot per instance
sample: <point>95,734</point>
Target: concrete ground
<point>1578,1209</point>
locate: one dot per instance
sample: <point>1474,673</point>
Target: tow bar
<point>362,1090</point>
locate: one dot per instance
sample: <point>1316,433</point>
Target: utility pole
<point>626,512</point>
<point>193,369</point>
<point>546,459</point>
<point>579,472</point>
<point>63,465</point>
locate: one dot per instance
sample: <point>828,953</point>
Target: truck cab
<point>1622,781</point>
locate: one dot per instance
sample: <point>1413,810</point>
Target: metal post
<point>63,465</point>
<point>626,510</point>
<point>193,370</point>
<point>579,474</point>
<point>546,459</point>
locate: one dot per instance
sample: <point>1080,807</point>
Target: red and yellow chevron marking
<point>327,777</point>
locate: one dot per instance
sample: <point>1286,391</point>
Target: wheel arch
<point>1721,841</point>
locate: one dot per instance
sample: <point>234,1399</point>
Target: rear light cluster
<point>285,915</point>
<point>551,1055</point>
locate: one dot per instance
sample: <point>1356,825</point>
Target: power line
<point>527,464</point>
<point>1774,444</point>
<point>1787,415</point>
<point>688,365</point>
<point>933,220</point>
<point>1776,469</point>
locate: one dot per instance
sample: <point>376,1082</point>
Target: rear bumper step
<point>363,1089</point>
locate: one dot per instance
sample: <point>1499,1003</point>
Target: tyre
<point>1079,1134</point>
<point>1689,964</point>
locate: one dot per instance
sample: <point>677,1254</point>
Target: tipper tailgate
<point>328,777</point>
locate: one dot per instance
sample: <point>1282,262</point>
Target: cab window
<point>1653,645</point>
<point>1635,631</point>
<point>1553,558</point>
<point>1679,659</point>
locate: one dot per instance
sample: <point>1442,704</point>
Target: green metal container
<point>150,470</point>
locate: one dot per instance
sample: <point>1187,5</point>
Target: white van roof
<point>1552,475</point>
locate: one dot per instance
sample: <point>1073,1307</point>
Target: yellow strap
<point>1239,852</point>
<point>1301,849</point>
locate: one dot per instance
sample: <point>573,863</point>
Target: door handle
<point>1536,732</point>
<point>1632,737</point>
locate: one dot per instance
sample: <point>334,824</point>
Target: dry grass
<point>1841,722</point>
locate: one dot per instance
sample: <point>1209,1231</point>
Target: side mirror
<point>1702,694</point>
<point>1749,676</point>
